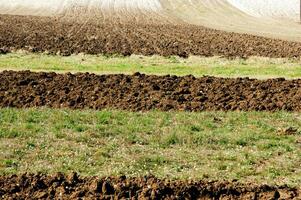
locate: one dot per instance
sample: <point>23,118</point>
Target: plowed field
<point>146,92</point>
<point>29,186</point>
<point>269,18</point>
<point>67,36</point>
<point>173,28</point>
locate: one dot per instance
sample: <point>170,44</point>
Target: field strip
<point>255,147</point>
<point>140,92</point>
<point>75,187</point>
<point>136,38</point>
<point>254,67</point>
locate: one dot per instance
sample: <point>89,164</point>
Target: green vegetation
<point>198,66</point>
<point>250,146</point>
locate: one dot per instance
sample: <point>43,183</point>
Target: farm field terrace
<point>253,67</point>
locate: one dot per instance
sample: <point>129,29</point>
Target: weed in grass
<point>171,139</point>
<point>149,163</point>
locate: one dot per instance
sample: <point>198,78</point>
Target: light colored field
<point>220,14</point>
<point>257,147</point>
<point>271,18</point>
<point>55,7</point>
<point>289,9</point>
<point>261,68</point>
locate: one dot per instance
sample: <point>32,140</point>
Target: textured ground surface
<point>148,27</point>
<point>144,27</point>
<point>40,186</point>
<point>271,18</point>
<point>141,92</point>
<point>67,36</point>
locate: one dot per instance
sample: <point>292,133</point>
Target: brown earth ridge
<point>60,186</point>
<point>72,35</point>
<point>141,92</point>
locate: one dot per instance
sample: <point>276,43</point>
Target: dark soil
<point>96,36</point>
<point>59,186</point>
<point>141,92</point>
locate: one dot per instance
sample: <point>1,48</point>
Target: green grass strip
<point>198,66</point>
<point>250,146</point>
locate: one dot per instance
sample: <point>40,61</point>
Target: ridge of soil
<point>60,186</point>
<point>141,92</point>
<point>67,36</point>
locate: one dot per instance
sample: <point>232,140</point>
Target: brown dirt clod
<point>140,92</point>
<point>59,187</point>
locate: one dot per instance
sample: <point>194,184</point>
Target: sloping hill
<point>270,18</point>
<point>222,15</point>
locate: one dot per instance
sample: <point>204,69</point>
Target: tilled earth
<point>141,92</point>
<point>138,92</point>
<point>59,186</point>
<point>68,35</point>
